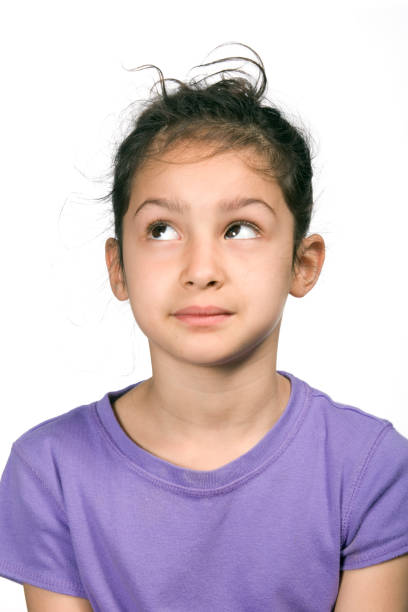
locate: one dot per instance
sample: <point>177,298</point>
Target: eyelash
<point>152,225</point>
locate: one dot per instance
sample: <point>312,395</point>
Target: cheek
<point>276,261</point>
<point>148,283</point>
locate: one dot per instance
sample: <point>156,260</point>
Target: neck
<point>216,404</point>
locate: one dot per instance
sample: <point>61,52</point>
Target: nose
<point>201,265</point>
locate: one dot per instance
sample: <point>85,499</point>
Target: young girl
<point>219,484</point>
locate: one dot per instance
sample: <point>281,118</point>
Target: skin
<point>214,391</point>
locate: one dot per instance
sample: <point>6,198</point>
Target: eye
<point>157,227</point>
<point>246,224</point>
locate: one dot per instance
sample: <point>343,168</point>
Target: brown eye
<point>243,223</point>
<point>157,229</point>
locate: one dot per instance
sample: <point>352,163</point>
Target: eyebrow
<point>225,205</point>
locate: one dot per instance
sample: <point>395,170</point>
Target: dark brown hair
<point>231,113</point>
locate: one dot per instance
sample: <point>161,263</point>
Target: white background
<point>341,68</point>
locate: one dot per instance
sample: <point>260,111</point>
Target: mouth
<point>202,310</point>
<point>200,320</point>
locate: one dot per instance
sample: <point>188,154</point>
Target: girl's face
<point>238,259</point>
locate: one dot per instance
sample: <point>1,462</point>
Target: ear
<point>311,253</point>
<point>116,275</point>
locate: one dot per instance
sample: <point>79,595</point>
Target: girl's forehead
<point>196,177</point>
<point>193,158</point>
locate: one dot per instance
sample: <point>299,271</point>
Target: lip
<point>202,311</point>
<point>203,320</point>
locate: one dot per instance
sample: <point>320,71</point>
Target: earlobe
<point>311,255</point>
<point>116,275</point>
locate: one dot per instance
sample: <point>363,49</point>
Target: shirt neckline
<point>267,450</point>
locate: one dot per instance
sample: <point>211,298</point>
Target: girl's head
<point>229,114</point>
<point>224,156</point>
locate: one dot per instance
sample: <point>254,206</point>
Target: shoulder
<point>350,437</point>
<point>58,433</point>
<point>57,451</point>
<point>344,413</point>
<point>345,423</point>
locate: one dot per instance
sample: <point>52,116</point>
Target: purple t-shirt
<point>85,511</point>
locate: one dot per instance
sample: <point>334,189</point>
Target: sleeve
<point>35,543</point>
<point>376,524</point>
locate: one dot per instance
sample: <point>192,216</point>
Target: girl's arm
<point>376,588</point>
<point>41,600</point>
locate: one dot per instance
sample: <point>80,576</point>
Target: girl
<point>219,484</point>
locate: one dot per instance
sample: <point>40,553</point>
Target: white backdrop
<point>340,67</point>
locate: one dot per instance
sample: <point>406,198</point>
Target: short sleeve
<point>376,524</point>
<point>35,544</point>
